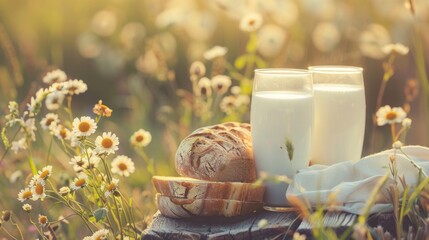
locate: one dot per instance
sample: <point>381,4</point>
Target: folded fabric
<point>352,183</point>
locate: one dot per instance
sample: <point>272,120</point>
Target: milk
<point>339,123</point>
<point>275,117</point>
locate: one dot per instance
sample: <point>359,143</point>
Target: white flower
<point>62,133</point>
<point>55,76</point>
<point>107,143</point>
<point>123,166</point>
<point>197,69</point>
<point>236,90</point>
<point>78,163</point>
<point>79,182</point>
<point>54,100</point>
<point>84,126</point>
<point>387,115</point>
<point>100,234</point>
<point>75,87</point>
<point>215,52</point>
<point>242,100</point>
<point>397,145</point>
<point>251,22</point>
<point>25,194</point>
<point>45,173</point>
<point>396,48</point>
<point>17,145</point>
<point>64,191</point>
<point>27,207</point>
<point>221,83</point>
<point>227,104</point>
<point>110,188</point>
<point>43,220</point>
<point>38,189</point>
<point>140,138</point>
<point>30,128</point>
<point>406,123</point>
<point>204,87</point>
<point>50,120</point>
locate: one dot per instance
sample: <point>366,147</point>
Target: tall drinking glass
<point>281,121</point>
<point>339,114</point>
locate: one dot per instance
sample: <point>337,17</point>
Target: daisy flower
<point>54,76</point>
<point>84,126</point>
<point>221,83</point>
<point>78,163</point>
<point>27,207</point>
<point>197,69</point>
<point>397,145</point>
<point>388,115</point>
<point>251,22</point>
<point>406,123</point>
<point>100,234</point>
<point>54,100</point>
<point>43,220</point>
<point>30,128</point>
<point>111,187</point>
<point>123,166</point>
<point>45,173</point>
<point>64,191</point>
<point>17,145</point>
<point>107,143</point>
<point>38,189</point>
<point>227,104</point>
<point>79,182</point>
<point>204,87</point>
<point>25,194</point>
<point>50,119</point>
<point>141,138</point>
<point>236,90</point>
<point>62,133</point>
<point>75,87</point>
<point>396,48</point>
<point>102,110</point>
<point>215,52</point>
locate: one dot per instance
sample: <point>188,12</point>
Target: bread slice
<point>189,188</point>
<point>185,208</point>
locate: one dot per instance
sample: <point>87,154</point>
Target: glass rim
<point>279,71</point>
<point>335,69</point>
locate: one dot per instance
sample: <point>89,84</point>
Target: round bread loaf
<point>221,152</point>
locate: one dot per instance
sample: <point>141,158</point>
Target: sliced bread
<point>184,208</point>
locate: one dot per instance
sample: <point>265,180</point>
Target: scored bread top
<point>190,188</point>
<point>222,152</point>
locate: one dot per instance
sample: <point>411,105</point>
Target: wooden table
<point>280,226</point>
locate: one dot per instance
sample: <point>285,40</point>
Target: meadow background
<point>136,55</point>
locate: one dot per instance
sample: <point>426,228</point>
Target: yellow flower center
<point>252,22</point>
<point>43,220</point>
<point>39,189</point>
<point>27,195</point>
<point>122,166</point>
<point>107,143</point>
<point>63,133</point>
<point>139,138</point>
<point>80,183</point>
<point>49,121</point>
<point>84,126</point>
<point>44,175</point>
<point>391,115</point>
<point>111,187</point>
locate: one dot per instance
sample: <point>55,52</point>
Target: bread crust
<point>185,208</point>
<point>189,188</point>
<point>221,152</point>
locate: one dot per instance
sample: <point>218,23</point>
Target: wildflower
<point>102,110</point>
<point>197,70</point>
<point>242,100</point>
<point>84,126</point>
<point>107,143</point>
<point>54,100</point>
<point>221,83</point>
<point>396,48</point>
<point>78,163</point>
<point>38,189</point>
<point>43,220</point>
<point>6,215</point>
<point>36,102</point>
<point>271,40</point>
<point>251,22</point>
<point>204,87</point>
<point>397,145</point>
<point>51,119</point>
<point>406,123</point>
<point>263,223</point>
<point>64,191</point>
<point>27,207</point>
<point>92,158</point>
<point>123,166</point>
<point>45,173</point>
<point>25,194</point>
<point>13,110</point>
<point>227,104</point>
<point>100,234</point>
<point>111,187</point>
<point>215,52</point>
<point>17,145</point>
<point>29,127</point>
<point>79,182</point>
<point>75,87</point>
<point>141,138</point>
<point>298,236</point>
<point>390,115</point>
<point>62,133</point>
<point>236,90</point>
<point>54,76</point>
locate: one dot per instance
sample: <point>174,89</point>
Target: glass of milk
<point>281,119</point>
<point>339,114</point>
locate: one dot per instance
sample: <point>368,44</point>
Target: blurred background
<point>136,55</point>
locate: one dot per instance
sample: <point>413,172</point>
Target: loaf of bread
<point>190,188</point>
<point>184,208</point>
<point>221,153</point>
